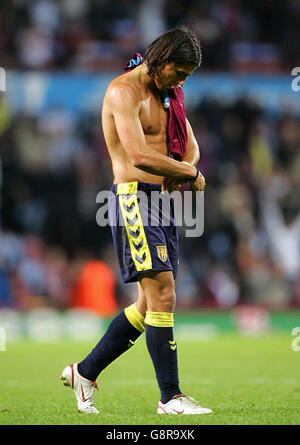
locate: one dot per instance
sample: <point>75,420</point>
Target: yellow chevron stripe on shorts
<point>126,188</point>
<point>160,319</point>
<point>129,205</point>
<point>135,317</point>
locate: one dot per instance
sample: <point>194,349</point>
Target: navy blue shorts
<point>143,229</point>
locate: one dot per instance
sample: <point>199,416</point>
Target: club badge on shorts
<point>162,253</point>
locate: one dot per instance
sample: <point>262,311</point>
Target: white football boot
<point>181,404</point>
<point>83,389</point>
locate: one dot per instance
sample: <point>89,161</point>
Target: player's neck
<point>147,81</point>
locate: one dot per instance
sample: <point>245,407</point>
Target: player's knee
<point>166,299</point>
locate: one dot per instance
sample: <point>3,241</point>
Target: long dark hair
<point>179,45</point>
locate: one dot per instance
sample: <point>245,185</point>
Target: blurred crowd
<point>101,34</point>
<point>53,167</point>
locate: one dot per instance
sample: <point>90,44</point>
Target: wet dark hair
<point>179,45</point>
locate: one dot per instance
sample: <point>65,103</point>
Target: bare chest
<point>153,117</point>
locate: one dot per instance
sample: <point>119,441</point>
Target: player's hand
<point>171,184</point>
<point>198,185</point>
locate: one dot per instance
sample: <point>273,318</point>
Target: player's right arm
<point>124,104</point>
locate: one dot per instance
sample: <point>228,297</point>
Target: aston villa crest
<point>162,253</point>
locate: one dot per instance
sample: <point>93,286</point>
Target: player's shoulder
<point>122,88</point>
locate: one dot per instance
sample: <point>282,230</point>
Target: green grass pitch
<point>246,381</point>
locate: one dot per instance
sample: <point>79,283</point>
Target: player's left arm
<point>192,152</point>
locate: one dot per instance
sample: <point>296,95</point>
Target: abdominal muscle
<point>124,171</point>
<point>128,173</point>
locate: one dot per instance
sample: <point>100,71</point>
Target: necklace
<point>166,99</point>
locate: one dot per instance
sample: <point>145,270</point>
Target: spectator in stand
<point>94,289</point>
<point>97,35</point>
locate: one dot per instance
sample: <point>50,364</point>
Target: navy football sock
<point>119,337</point>
<point>163,351</point>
